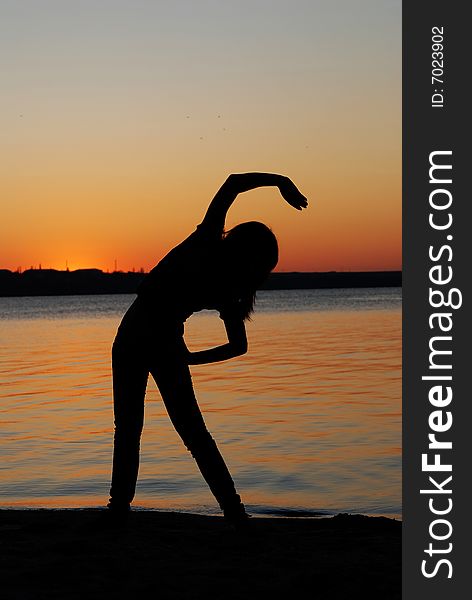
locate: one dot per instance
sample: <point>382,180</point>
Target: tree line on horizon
<point>48,282</point>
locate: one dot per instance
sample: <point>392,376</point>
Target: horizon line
<point>141,271</point>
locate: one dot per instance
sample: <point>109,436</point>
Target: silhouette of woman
<point>211,269</point>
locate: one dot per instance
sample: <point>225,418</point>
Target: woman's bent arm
<point>238,183</point>
<point>216,354</point>
<point>236,346</point>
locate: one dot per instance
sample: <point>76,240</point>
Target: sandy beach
<point>60,554</point>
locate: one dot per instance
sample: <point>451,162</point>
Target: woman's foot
<point>237,517</point>
<point>104,520</point>
<point>113,517</point>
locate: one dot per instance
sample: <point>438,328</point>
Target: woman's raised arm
<point>238,183</point>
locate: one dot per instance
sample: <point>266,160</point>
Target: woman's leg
<point>130,377</point>
<point>175,385</point>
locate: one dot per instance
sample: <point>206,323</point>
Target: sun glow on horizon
<point>120,123</point>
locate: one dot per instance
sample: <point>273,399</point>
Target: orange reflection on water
<point>310,417</point>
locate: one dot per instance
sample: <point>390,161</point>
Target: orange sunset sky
<point>120,120</point>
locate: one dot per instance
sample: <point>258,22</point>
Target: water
<point>309,421</point>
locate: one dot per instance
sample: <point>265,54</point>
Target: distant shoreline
<point>50,282</point>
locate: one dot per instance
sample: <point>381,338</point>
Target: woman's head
<point>249,252</point>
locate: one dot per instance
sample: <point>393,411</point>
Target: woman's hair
<point>250,252</point>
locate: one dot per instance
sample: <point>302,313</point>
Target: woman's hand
<point>292,194</point>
